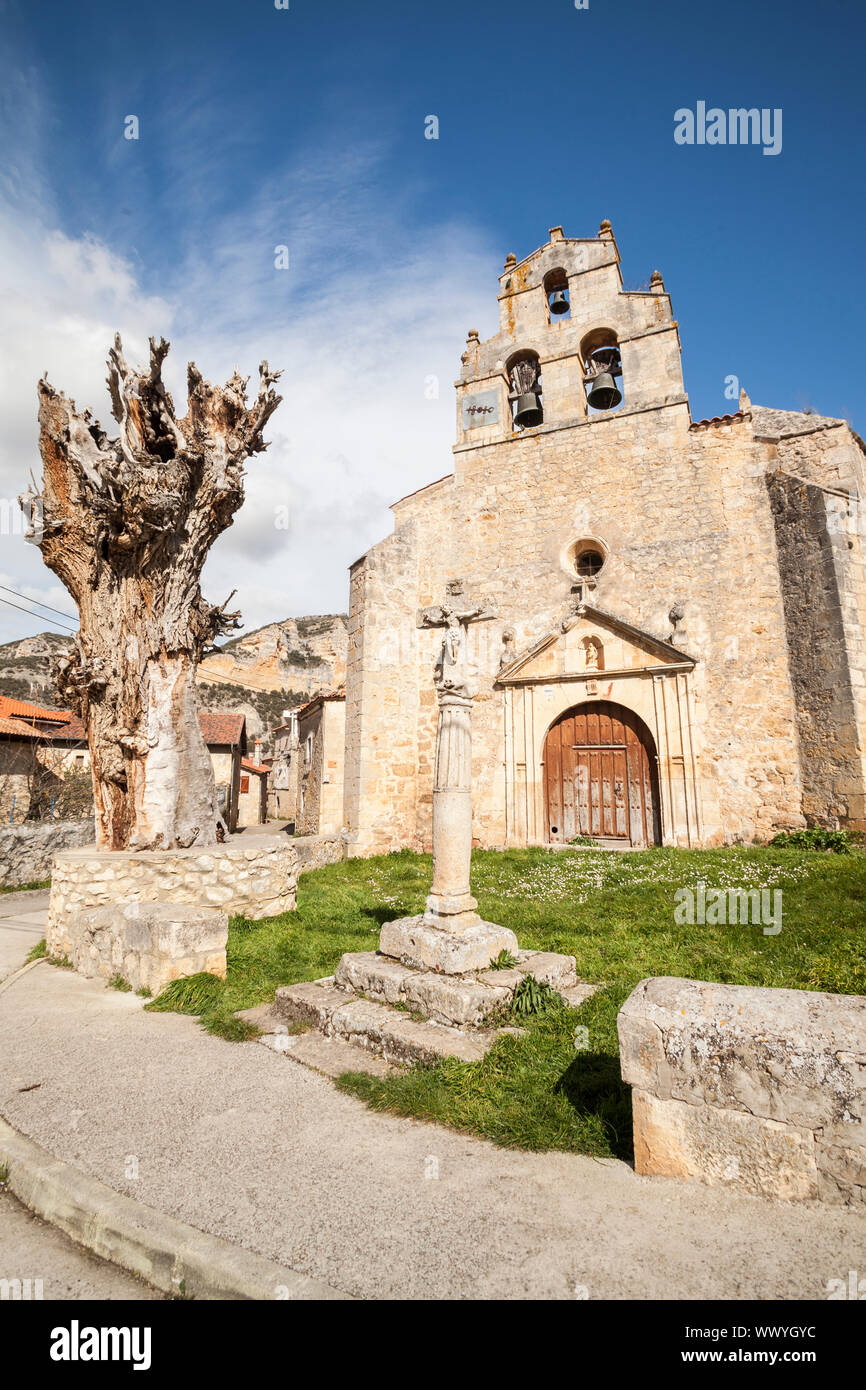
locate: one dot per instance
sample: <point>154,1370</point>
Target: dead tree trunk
<point>127,524</point>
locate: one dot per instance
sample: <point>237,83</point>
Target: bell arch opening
<point>602,369</point>
<point>601,777</point>
<point>523,370</point>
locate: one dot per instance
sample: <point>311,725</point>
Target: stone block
<point>674,1139</point>
<point>148,944</point>
<point>453,1000</point>
<point>560,972</point>
<point>309,1002</point>
<point>371,973</point>
<point>795,1056</point>
<point>414,942</point>
<point>400,1039</point>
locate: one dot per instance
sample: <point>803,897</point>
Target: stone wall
<point>148,944</point>
<point>18,768</point>
<point>822,577</point>
<point>759,1089</point>
<point>315,850</point>
<point>253,877</point>
<point>27,851</point>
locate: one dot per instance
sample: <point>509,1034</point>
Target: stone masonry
<point>758,1089</point>
<point>727,585</point>
<point>255,876</point>
<point>148,944</point>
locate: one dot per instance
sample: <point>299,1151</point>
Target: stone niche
<point>763,1090</point>
<point>253,876</point>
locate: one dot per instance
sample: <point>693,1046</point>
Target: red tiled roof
<point>249,766</point>
<point>19,709</point>
<point>718,420</point>
<point>12,728</point>
<point>71,732</point>
<point>222,728</point>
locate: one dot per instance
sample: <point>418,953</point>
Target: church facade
<point>665,616</point>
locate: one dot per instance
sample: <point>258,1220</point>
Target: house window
<point>245,785</point>
<point>308,751</point>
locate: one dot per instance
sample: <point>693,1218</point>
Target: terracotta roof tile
<point>12,728</point>
<point>249,766</point>
<point>20,709</point>
<point>222,728</point>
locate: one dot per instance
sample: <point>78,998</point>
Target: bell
<point>528,410</point>
<point>559,302</point>
<point>603,393</point>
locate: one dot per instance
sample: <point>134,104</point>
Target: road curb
<point>167,1253</point>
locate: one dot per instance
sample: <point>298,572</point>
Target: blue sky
<point>305,127</point>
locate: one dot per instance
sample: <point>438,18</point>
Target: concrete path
<point>30,1249</point>
<point>246,1144</point>
<point>22,925</point>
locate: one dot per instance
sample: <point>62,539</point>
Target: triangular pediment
<point>591,641</point>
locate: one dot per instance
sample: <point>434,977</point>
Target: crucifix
<point>450,904</point>
<point>449,936</point>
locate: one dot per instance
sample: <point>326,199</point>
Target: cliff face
<point>24,667</point>
<point>275,668</point>
<point>298,655</point>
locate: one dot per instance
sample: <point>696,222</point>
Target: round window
<point>586,558</point>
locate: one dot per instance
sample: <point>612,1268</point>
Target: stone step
<point>330,1056</point>
<point>451,999</point>
<point>386,1031</point>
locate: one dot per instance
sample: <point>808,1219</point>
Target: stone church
<point>665,614</point>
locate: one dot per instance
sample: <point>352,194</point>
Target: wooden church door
<point>600,776</point>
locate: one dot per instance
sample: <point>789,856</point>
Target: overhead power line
<point>70,616</point>
<point>41,616</point>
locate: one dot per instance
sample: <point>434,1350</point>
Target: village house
<point>664,614</point>
<point>226,738</point>
<point>283,781</point>
<point>321,740</point>
<point>253,799</point>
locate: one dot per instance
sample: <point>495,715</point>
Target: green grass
<point>613,912</point>
<point>37,952</point>
<point>26,887</point>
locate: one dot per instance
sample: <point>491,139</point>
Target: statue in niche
<point>593,654</point>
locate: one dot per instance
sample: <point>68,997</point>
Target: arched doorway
<point>600,776</point>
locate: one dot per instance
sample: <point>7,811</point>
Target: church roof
<point>776,424</point>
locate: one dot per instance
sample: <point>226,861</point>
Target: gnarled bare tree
<point>126,524</point>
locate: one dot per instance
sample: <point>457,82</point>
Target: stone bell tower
<point>655,660</point>
<point>546,303</point>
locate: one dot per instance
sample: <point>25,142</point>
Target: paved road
<point>248,1145</point>
<point>30,1249</point>
<point>22,925</point>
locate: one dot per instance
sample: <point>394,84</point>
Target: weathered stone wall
<point>18,763</point>
<point>760,1089</point>
<point>27,851</point>
<point>255,877</point>
<point>823,587</point>
<point>315,850</point>
<point>148,944</point>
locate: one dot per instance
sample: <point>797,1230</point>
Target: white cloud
<point>367,312</point>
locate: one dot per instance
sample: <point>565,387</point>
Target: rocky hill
<point>275,668</point>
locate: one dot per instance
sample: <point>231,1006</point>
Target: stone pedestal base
<point>409,1015</point>
<point>149,944</point>
<point>424,945</point>
<point>255,877</point>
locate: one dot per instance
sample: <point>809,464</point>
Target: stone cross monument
<point>450,936</point>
